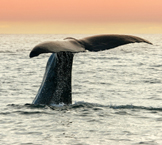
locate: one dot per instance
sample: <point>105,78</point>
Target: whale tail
<point>93,43</point>
<point>56,84</point>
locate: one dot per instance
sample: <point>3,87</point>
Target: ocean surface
<point>117,95</point>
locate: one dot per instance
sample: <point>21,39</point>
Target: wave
<point>80,105</point>
<point>14,51</point>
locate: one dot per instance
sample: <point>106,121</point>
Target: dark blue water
<point>116,95</point>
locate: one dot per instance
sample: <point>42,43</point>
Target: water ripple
<point>78,105</point>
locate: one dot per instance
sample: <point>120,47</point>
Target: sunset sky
<point>80,16</point>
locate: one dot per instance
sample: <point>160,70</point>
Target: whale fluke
<point>105,42</point>
<point>56,84</point>
<point>92,43</point>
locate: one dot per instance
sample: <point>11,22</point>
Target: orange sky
<point>80,16</point>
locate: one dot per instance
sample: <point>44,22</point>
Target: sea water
<point>117,95</point>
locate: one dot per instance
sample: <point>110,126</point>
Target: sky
<point>80,16</point>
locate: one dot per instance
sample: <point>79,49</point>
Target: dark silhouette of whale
<point>56,84</point>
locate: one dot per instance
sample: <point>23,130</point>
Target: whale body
<point>56,85</point>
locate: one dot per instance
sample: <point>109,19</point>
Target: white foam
<point>58,105</point>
